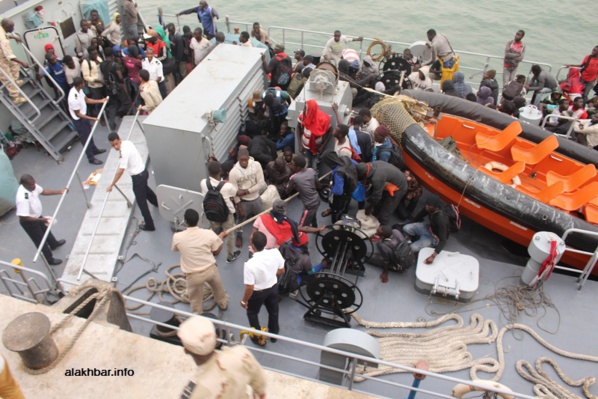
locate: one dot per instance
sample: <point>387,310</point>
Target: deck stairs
<point>41,115</point>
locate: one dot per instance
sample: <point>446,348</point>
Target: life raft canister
<point>461,389</point>
<point>492,166</point>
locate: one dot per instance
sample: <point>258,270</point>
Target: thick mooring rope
<point>445,349</point>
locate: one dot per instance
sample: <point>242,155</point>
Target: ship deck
<point>566,319</point>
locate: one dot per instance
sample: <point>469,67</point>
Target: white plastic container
<point>530,114</point>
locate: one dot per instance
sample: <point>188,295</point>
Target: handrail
<point>56,85</point>
<point>70,180</point>
<point>587,271</point>
<point>11,81</point>
<point>302,44</point>
<point>21,270</point>
<point>99,218</point>
<point>569,118</point>
<point>353,356</point>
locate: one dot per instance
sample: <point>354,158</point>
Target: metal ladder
<point>41,115</point>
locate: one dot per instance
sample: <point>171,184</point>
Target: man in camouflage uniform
<point>223,374</point>
<point>9,63</point>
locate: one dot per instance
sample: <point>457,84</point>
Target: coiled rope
<point>445,349</point>
<point>174,285</point>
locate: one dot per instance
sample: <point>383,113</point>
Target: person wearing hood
<point>461,87</point>
<point>432,231</point>
<point>382,144</point>
<point>448,88</point>
<point>313,129</point>
<point>490,82</point>
<point>368,70</point>
<point>484,96</point>
<point>343,183</point>
<point>419,78</point>
<point>248,178</point>
<point>279,228</point>
<point>388,186</point>
<point>112,31</point>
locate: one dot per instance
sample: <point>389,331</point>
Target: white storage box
<point>451,274</point>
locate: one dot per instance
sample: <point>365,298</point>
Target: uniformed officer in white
<point>78,108</point>
<point>131,161</point>
<point>29,211</point>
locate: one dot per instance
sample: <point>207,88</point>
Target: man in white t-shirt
<point>200,46</point>
<point>333,51</point>
<point>78,101</point>
<point>131,161</point>
<point>29,211</point>
<point>228,192</point>
<point>260,276</point>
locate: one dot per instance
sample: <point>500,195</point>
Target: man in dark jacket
<point>389,185</point>
<point>386,254</point>
<point>262,149</point>
<point>433,232</point>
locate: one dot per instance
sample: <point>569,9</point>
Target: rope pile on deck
<point>446,350</point>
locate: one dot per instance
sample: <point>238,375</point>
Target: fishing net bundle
<point>398,113</point>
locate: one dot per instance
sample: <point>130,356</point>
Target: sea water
<point>556,32</point>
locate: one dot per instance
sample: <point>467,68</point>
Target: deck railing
<point>27,284</point>
<point>314,350</point>
<point>476,64</point>
<point>587,271</point>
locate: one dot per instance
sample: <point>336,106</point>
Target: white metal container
<point>530,114</point>
<point>451,274</point>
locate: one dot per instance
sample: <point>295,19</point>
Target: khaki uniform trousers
<point>11,68</point>
<point>195,288</point>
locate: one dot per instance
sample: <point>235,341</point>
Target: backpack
<point>354,155</point>
<point>214,206</point>
<point>285,70</point>
<point>110,80</point>
<point>404,256</point>
<point>512,90</point>
<point>396,158</point>
<point>452,211</point>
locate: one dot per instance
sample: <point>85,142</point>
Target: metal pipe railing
<point>22,93</point>
<point>99,218</point>
<point>564,117</point>
<point>587,271</point>
<point>70,180</point>
<point>56,85</point>
<point>351,356</point>
<point>21,270</point>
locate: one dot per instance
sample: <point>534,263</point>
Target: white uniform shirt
<point>154,68</point>
<point>28,203</point>
<point>227,190</point>
<point>130,159</point>
<point>77,102</point>
<point>260,270</point>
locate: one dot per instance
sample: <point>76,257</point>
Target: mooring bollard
<point>29,336</point>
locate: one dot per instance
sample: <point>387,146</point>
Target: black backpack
<point>111,83</point>
<point>285,70</point>
<point>404,256</point>
<point>214,206</point>
<point>396,158</point>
